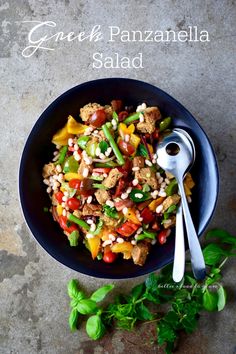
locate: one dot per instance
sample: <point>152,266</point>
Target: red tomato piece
<point>73,203</point>
<point>147,216</point>
<point>109,257</point>
<point>98,118</point>
<point>127,229</point>
<point>102,169</point>
<point>124,203</point>
<point>122,115</point>
<point>74,183</point>
<point>119,188</point>
<point>126,148</point>
<point>162,236</point>
<point>59,196</point>
<point>63,223</point>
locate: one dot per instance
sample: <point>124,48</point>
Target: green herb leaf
<point>221,298</point>
<point>101,293</point>
<point>86,307</point>
<point>73,319</point>
<point>72,289</point>
<point>165,333</point>
<point>94,327</point>
<point>210,300</point>
<point>111,212</point>
<point>213,254</point>
<point>223,235</point>
<point>172,187</point>
<point>103,145</point>
<point>142,151</point>
<point>143,312</point>
<point>137,291</point>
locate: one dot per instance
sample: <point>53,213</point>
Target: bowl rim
<point>55,255</point>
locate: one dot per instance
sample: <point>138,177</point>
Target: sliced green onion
<point>132,118</point>
<point>113,144</point>
<point>107,164</point>
<point>115,117</point>
<point>82,141</point>
<point>78,221</point>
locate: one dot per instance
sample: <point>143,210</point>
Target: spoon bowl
<point>176,155</point>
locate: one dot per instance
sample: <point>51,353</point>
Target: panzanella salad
<point>107,192</point>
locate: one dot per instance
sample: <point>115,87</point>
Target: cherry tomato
<point>122,115</point>
<point>98,118</point>
<point>109,257</point>
<point>147,216</point>
<point>59,196</point>
<point>126,148</point>
<point>63,221</point>
<point>102,169</point>
<point>74,183</point>
<point>73,203</point>
<point>127,229</point>
<point>162,236</point>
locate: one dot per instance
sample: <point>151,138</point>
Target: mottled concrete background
<point>34,305</point>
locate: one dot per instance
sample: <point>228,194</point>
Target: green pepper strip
<point>132,118</point>
<point>113,144</point>
<point>172,187</point>
<point>99,186</point>
<point>78,221</point>
<point>107,164</point>
<point>165,123</point>
<point>62,154</point>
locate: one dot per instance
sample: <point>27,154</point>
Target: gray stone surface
<point>33,301</point>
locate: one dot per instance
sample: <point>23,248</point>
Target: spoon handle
<point>197,260</point>
<point>179,256</point>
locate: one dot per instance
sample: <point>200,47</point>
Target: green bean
<point>165,123</point>
<point>62,154</point>
<point>132,118</point>
<point>78,221</point>
<point>99,186</point>
<point>113,145</point>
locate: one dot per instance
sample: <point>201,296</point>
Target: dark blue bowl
<point>38,151</point>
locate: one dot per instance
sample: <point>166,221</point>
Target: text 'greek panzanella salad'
<point>107,191</point>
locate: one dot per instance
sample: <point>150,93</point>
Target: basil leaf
<point>213,254</point>
<point>94,327</point>
<point>137,291</point>
<point>223,235</point>
<point>221,298</point>
<point>111,212</point>
<point>100,293</point>
<point>210,300</point>
<point>72,289</point>
<point>142,151</point>
<point>103,145</point>
<point>73,319</point>
<point>143,313</point>
<point>86,306</point>
<point>143,195</point>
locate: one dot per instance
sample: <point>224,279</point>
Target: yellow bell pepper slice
<point>71,175</point>
<point>61,137</point>
<point>126,255</point>
<point>123,129</point>
<point>130,215</point>
<point>59,209</point>
<point>134,140</point>
<point>150,148</point>
<point>122,247</point>
<point>94,245</point>
<point>189,181</point>
<point>74,127</point>
<point>154,204</point>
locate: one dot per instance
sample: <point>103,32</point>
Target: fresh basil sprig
<point>184,301</point>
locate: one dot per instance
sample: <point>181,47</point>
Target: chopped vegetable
<point>78,221</point>
<point>132,118</point>
<point>62,155</point>
<point>111,212</point>
<point>164,124</point>
<point>138,196</point>
<point>82,141</point>
<point>114,146</point>
<point>172,188</point>
<point>74,238</point>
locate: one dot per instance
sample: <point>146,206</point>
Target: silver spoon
<point>179,253</point>
<point>175,155</point>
